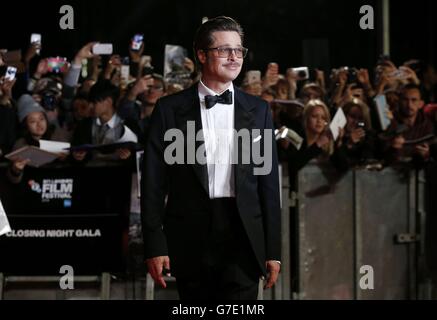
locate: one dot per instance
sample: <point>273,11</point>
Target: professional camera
<point>50,91</point>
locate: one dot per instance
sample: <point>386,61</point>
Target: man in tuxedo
<point>214,224</point>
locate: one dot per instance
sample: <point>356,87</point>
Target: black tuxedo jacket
<point>175,200</point>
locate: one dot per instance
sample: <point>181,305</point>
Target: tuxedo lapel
<point>190,111</point>
<point>243,119</point>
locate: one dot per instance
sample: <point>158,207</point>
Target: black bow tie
<point>225,98</point>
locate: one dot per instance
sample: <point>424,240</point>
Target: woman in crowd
<point>360,140</point>
<point>34,124</point>
<point>317,141</point>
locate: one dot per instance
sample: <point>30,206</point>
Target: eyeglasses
<point>225,52</point>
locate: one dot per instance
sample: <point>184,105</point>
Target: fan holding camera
<point>359,142</point>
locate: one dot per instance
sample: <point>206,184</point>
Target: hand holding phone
<point>57,64</point>
<point>137,42</point>
<point>10,73</point>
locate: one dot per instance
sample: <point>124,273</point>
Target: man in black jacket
<point>218,230</point>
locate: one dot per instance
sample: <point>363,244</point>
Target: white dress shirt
<point>218,128</point>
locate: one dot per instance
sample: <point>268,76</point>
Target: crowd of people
<point>91,102</point>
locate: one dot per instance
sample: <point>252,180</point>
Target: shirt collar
<point>204,91</point>
<point>111,123</point>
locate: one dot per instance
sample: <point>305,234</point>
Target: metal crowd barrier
<point>333,226</point>
<point>360,235</point>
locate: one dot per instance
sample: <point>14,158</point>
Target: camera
<point>302,73</point>
<point>48,100</point>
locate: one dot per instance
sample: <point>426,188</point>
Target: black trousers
<point>229,270</point>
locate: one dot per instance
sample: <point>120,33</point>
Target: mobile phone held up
<point>10,73</point>
<point>102,49</point>
<point>57,64</point>
<point>137,42</point>
<point>35,38</point>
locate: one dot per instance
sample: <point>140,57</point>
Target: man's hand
<point>398,142</point>
<point>363,77</point>
<point>79,155</point>
<point>271,76</point>
<point>123,154</point>
<point>86,52</point>
<point>135,56</point>
<point>31,52</point>
<point>155,267</point>
<point>113,63</point>
<point>140,86</point>
<point>41,69</point>
<point>410,74</point>
<point>273,268</point>
<point>423,150</point>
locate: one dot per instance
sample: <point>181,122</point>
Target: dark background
<point>317,33</point>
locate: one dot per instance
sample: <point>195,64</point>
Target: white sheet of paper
<point>54,146</point>
<point>4,223</point>
<point>139,156</point>
<point>338,122</point>
<point>383,109</point>
<point>128,136</point>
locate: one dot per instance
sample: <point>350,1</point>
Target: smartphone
<point>137,42</point>
<point>102,48</point>
<point>253,76</point>
<point>10,73</point>
<point>302,73</point>
<point>57,64</point>
<point>36,38</point>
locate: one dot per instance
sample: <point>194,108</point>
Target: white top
<point>218,128</point>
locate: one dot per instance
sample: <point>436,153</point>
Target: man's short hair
<point>103,89</point>
<point>410,86</point>
<point>203,38</point>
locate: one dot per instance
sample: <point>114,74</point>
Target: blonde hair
<point>308,109</point>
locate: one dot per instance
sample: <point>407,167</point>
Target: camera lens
<point>48,101</point>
